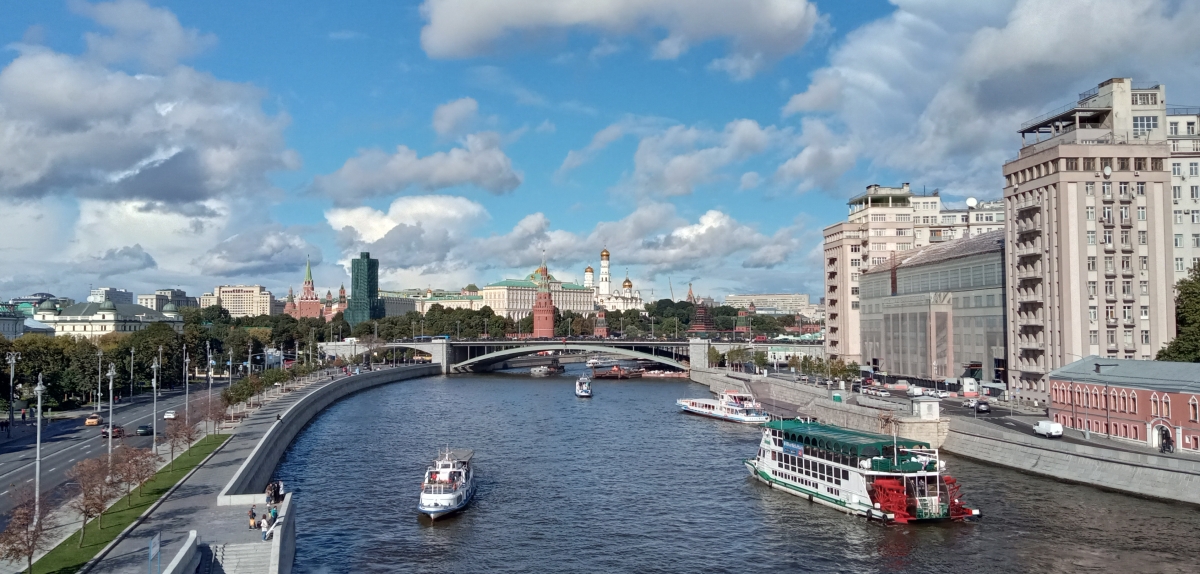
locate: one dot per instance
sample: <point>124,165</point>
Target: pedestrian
<point>279,492</point>
<point>22,415</point>
<point>274,514</point>
<point>252,515</point>
<point>265,529</point>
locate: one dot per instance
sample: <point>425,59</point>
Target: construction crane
<point>669,284</point>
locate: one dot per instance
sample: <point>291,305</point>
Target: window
<point>1145,287</point>
<point>1145,337</point>
<point>1196,240</point>
<point>1166,406</point>
<point>1179,264</point>
<point>1178,216</point>
<point>1128,336</point>
<point>1191,128</point>
<point>1141,213</point>
<point>1146,99</point>
<point>1110,312</point>
<point>1143,124</point>
<point>1108,264</point>
<point>1194,168</point>
<point>1105,162</point>
<point>1178,240</point>
<point>903,217</point>
<point>991,300</point>
<point>1124,240</point>
<point>1107,213</point>
<point>1092,313</point>
<point>1127,315</point>
<point>1091,213</point>
<point>1176,191</point>
<point>1123,165</point>
<point>1091,237</point>
<point>1106,188</point>
<point>1141,185</point>
<point>1124,213</point>
<point>1089,164</point>
<point>1094,337</point>
<point>1176,168</point>
<point>1156,164</point>
<point>854,276</point>
<point>854,290</point>
<point>878,232</point>
<point>1092,288</point>
<point>1109,288</point>
<point>1195,189</point>
<point>1145,312</point>
<point>855,263</point>
<point>1173,129</point>
<point>902,232</point>
<point>1091,262</point>
<point>1127,288</point>
<point>1112,342</point>
<point>1144,263</point>
<point>1072,164</point>
<point>883,216</point>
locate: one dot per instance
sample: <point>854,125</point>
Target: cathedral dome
<point>627,284</point>
<point>589,269</point>
<point>604,254</point>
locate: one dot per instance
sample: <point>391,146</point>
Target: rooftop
<point>842,440</point>
<point>1150,375</point>
<point>990,242</point>
<point>124,310</point>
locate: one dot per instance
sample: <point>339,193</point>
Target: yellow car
<point>93,420</point>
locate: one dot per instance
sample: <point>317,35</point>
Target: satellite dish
<point>972,202</point>
<point>1107,170</point>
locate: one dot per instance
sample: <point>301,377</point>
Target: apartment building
<point>1184,141</point>
<point>1089,208</point>
<point>243,300</point>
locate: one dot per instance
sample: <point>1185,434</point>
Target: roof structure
<point>838,439</point>
<point>1161,376</point>
<point>990,242</point>
<point>122,309</point>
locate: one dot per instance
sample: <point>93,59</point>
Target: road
<point>66,442</point>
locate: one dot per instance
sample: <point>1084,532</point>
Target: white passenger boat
<point>729,405</point>
<point>541,371</point>
<point>449,484</point>
<point>583,387</point>
<point>593,362</point>
<point>880,477</point>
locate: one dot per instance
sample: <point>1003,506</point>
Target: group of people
<point>265,522</point>
<point>275,492</point>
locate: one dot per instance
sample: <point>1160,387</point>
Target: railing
<point>1183,111</point>
<point>441,488</point>
<point>1084,104</point>
<point>1144,85</point>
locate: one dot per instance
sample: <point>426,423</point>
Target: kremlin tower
<point>309,303</point>
<point>543,304</point>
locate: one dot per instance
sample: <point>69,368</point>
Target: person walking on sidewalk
<point>266,527</point>
<point>251,514</point>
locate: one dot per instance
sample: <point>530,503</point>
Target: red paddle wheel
<point>957,510</point>
<point>889,494</point>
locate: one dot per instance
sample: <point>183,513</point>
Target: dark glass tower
<point>364,303</point>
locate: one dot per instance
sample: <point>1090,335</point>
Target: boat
<point>880,477</point>
<point>616,372</point>
<point>733,406</point>
<point>593,362</point>
<point>583,387</point>
<point>546,370</point>
<point>448,485</point>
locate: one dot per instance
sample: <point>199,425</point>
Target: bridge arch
<point>504,354</point>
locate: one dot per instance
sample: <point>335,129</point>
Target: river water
<point>624,482</point>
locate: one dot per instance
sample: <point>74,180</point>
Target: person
<point>278,417</point>
<point>270,494</point>
<point>265,529</point>
<point>279,491</point>
<point>22,415</point>
<point>252,515</point>
<point>274,514</point>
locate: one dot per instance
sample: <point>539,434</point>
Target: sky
<point>147,145</point>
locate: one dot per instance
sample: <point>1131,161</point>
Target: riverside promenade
<point>222,531</point>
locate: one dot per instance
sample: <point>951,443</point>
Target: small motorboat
<point>448,485</point>
<point>583,387</point>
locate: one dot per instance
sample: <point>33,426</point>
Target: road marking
<point>53,469</point>
<point>1010,424</point>
<point>30,480</point>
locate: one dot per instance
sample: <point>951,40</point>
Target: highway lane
<point>66,442</point>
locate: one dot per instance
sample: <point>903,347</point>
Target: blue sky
<point>145,145</point>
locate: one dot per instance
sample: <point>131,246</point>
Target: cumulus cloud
<point>455,117</point>
<point>373,172</point>
<point>118,261</point>
<point>824,158</point>
<point>938,88</point>
<point>680,158</point>
<point>150,36</point>
<point>750,180</point>
<point>258,251</point>
<point>415,231</point>
<point>756,31</point>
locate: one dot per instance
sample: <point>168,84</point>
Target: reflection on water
<point>625,483</point>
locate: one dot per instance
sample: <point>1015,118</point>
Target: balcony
<point>1029,248</point>
<point>1026,297</point>
<point>1027,226</point>
<point>1029,321</point>
<point>1032,369</point>
<point>939,238</point>
<point>1029,272</point>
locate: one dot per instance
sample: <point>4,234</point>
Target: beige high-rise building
<point>243,300</point>
<point>1089,212</point>
<point>1183,135</point>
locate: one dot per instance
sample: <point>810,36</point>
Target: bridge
<point>464,356</point>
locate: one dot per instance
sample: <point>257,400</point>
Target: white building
<point>772,303</point>
<point>408,300</point>
<point>161,297</point>
<point>94,320</point>
<point>513,298</point>
<point>102,294</point>
<point>623,299</point>
<point>1184,140</point>
<point>12,322</point>
<point>1089,269</point>
<point>243,300</point>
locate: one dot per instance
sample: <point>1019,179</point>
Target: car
<point>983,407</point>
<point>884,393</point>
<point>1048,429</point>
<point>856,388</point>
<point>118,432</point>
<point>93,420</point>
<point>942,394</point>
<point>169,415</point>
<point>144,430</point>
<point>970,403</point>
<point>914,391</point>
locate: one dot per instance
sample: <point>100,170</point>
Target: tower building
<point>543,304</point>
<point>603,285</point>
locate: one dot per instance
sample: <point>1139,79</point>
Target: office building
<point>770,303</point>
<point>12,322</point>
<point>365,303</point>
<point>1089,213</point>
<point>102,294</point>
<point>1184,142</point>
<point>161,297</point>
<point>242,300</point>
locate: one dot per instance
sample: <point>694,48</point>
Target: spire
<point>307,270</point>
<point>544,272</point>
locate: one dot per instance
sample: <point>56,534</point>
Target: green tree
<point>714,357</point>
<point>1185,347</point>
<point>760,359</point>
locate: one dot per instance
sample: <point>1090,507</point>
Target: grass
<point>69,557</point>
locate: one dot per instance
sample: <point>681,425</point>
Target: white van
<point>1048,429</point>
<point>914,391</point>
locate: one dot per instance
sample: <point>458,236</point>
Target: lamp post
<point>154,418</point>
<point>112,372</point>
<point>12,358</point>
<point>99,378</point>
<point>131,373</point>
<point>37,465</point>
<point>187,379</point>
<point>457,326</point>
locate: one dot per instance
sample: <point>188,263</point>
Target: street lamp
<point>154,419</point>
<point>112,372</point>
<point>458,327</point>
<point>12,358</point>
<point>99,378</point>
<point>187,378</point>
<point>37,466</point>
<point>131,373</point>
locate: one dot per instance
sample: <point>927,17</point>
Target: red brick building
<point>543,304</point>
<point>1138,401</point>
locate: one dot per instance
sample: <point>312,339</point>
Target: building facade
<point>94,320</point>
<point>771,303</point>
<point>939,312</point>
<point>514,298</point>
<point>1090,225</point>
<point>1184,142</point>
<point>161,297</point>
<point>607,298</point>
<point>1133,400</point>
<point>102,294</point>
<point>241,300</point>
<point>308,304</point>
<point>543,304</point>
<point>12,322</point>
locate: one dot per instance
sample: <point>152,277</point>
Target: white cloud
<point>258,251</point>
<point>455,117</point>
<point>680,158</point>
<point>118,261</point>
<point>750,180</point>
<point>546,127</point>
<point>151,36</point>
<point>823,160</point>
<point>374,172</point>
<point>938,88</point>
<point>756,31</point>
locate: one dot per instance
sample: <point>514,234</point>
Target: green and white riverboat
<point>877,476</point>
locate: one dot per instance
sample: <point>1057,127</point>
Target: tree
<point>1185,347</point>
<point>794,363</point>
<point>25,533</point>
<point>760,359</point>
<point>714,357</point>
<point>806,364</point>
<point>96,490</point>
<point>180,435</point>
<point>141,464</point>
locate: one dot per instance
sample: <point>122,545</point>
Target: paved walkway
<point>194,505</point>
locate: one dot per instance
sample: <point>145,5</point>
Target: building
<point>601,328</point>
<point>102,294</point>
<point>885,221</point>
<point>1139,401</point>
<point>703,321</point>
<point>770,303</point>
<point>543,304</point>
<point>365,304</point>
<point>745,320</point>
<point>94,320</point>
<point>335,306</point>
<point>12,322</point>
<point>401,302</point>
<point>241,300</point>
<point>938,311</point>
<point>27,305</point>
<point>1089,212</point>
<point>1184,142</point>
<point>308,305</point>
<point>609,299</point>
<point>161,297</point>
<point>514,298</point>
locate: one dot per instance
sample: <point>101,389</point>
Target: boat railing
<point>441,488</point>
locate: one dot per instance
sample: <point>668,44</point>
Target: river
<point>624,482</point>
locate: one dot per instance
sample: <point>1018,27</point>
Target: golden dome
<point>627,284</point>
<point>604,254</point>
<point>589,269</point>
